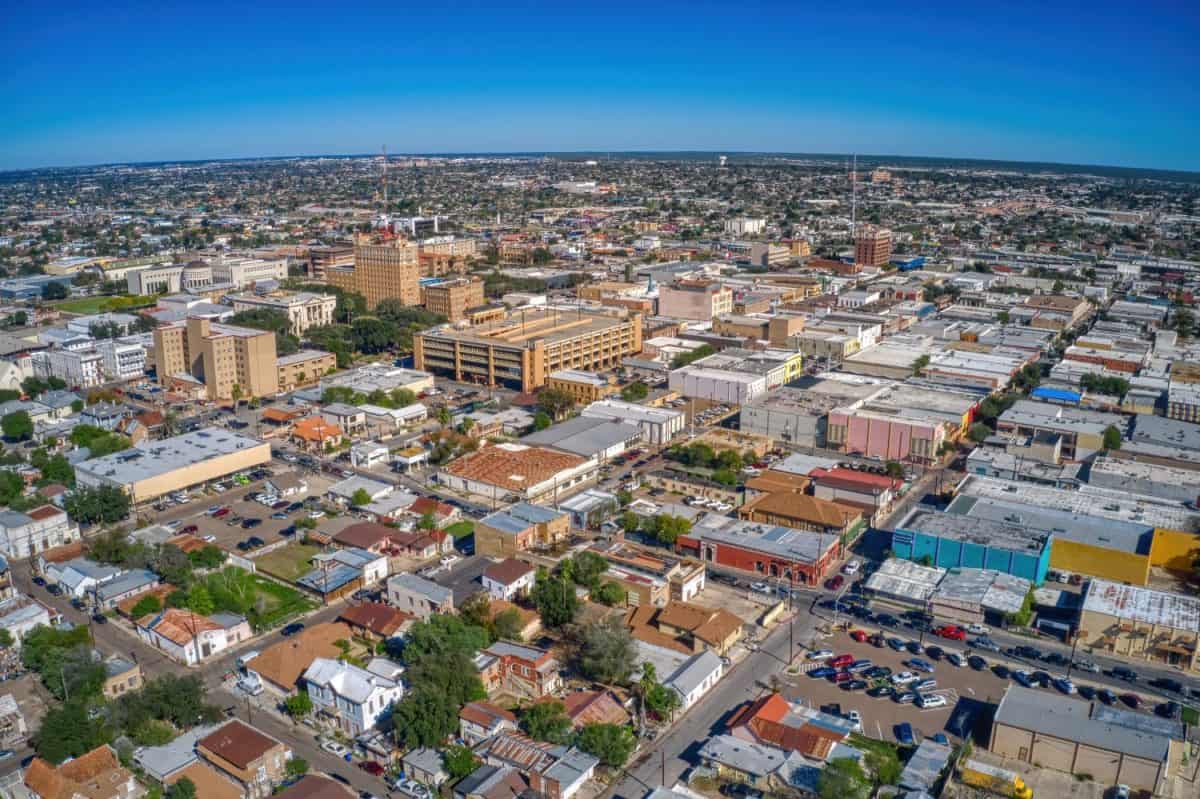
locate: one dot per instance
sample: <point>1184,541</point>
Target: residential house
<point>281,664</point>
<point>13,731</point>
<point>253,759</point>
<point>441,513</point>
<point>21,614</point>
<point>594,707</point>
<point>25,534</point>
<point>376,621</point>
<point>95,775</point>
<point>508,579</point>
<point>342,572</point>
<point>418,596</point>
<point>350,418</point>
<point>312,786</point>
<point>314,433</point>
<point>492,782</point>
<point>700,627</point>
<point>353,698</point>
<point>78,577</point>
<point>344,491</point>
<point>523,671</point>
<point>371,536</point>
<point>695,677</point>
<point>478,721</point>
<point>529,623</point>
<point>121,676</point>
<point>123,586</point>
<point>684,576</point>
<point>519,528</point>
<point>366,454</point>
<point>287,485</point>
<point>425,766</point>
<point>554,771</point>
<point>190,638</point>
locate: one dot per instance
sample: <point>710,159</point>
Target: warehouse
<point>1130,621</point>
<point>658,425</point>
<point>1163,482</point>
<point>718,385</point>
<point>154,468</point>
<point>529,473</point>
<point>955,541</point>
<point>1066,734</point>
<point>589,437</point>
<point>797,414</point>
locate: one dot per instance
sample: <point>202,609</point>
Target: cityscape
<point>449,467</point>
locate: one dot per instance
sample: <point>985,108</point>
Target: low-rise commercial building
<point>303,368</point>
<point>303,309</point>
<point>584,387</point>
<point>951,541</point>
<point>519,528</point>
<point>588,437</point>
<point>154,468</point>
<point>24,535</point>
<point>1135,622</point>
<point>522,671</point>
<point>796,556</point>
<point>453,298</point>
<point>717,385</point>
<point>658,425</point>
<point>530,473</point>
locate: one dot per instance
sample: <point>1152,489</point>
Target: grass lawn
<point>288,563</point>
<point>276,604</point>
<point>84,305</point>
<point>460,529</point>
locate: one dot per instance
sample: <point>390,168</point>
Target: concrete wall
<point>1174,549</point>
<point>1121,567</point>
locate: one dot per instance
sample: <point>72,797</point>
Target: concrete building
<point>522,671</point>
<point>523,349</point>
<point>658,425</point>
<point>589,437</point>
<point>82,368</point>
<point>240,271</point>
<point>1111,745</point>
<point>380,272</point>
<point>122,359</point>
<point>700,300</point>
<point>872,245</point>
<point>1134,622</point>
<point>303,368</point>
<point>221,357</point>
<point>321,258</point>
<point>745,226</point>
<point>1147,479</point>
<point>155,468</point>
<point>302,309</point>
<point>190,638</point>
<point>23,535</point>
<point>418,596</point>
<point>253,759</point>
<point>1081,431</point>
<point>584,387</point>
<point>453,298</point>
<point>952,541</point>
<point>717,385</point>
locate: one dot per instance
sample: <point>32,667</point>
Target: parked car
<point>1132,700</point>
<point>985,643</point>
<point>977,663</point>
<point>372,768</point>
<point>1056,659</point>
<point>1064,685</point>
<point>822,673</point>
<point>1124,673</point>
<point>895,643</point>
<point>930,701</point>
<point>956,660</point>
<point>1088,666</point>
<point>853,685</point>
<point>1106,696</point>
<point>190,529</point>
<point>880,691</point>
<point>919,665</point>
<point>851,568</point>
<point>99,618</point>
<point>334,748</point>
<point>222,513</point>
<point>859,635</point>
<point>292,629</point>
<point>835,582</point>
<point>878,673</point>
<point>934,652</point>
<point>1086,691</point>
<point>855,718</point>
<point>1023,678</point>
<point>904,697</point>
<point>1167,684</point>
<point>904,678</point>
<point>54,589</point>
<point>820,654</point>
<point>904,734</point>
<point>977,629</point>
<point>924,685</point>
<point>841,661</point>
<point>1168,710</point>
<point>952,632</point>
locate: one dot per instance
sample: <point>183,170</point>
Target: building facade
<point>381,272</point>
<point>872,246</point>
<point>700,300</point>
<point>302,309</point>
<point>453,298</point>
<point>222,357</point>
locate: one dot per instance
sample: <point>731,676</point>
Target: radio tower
<point>385,183</point>
<point>854,198</point>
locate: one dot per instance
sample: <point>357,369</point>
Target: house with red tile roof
<point>594,707</point>
<point>478,721</point>
<point>95,775</point>
<point>774,721</point>
<point>190,638</point>
<point>443,513</point>
<point>376,621</point>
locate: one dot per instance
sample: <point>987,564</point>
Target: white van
<point>246,658</point>
<point>930,701</point>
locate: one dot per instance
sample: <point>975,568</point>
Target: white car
<point>855,717</point>
<point>722,507</point>
<point>930,701</point>
<point>449,560</point>
<point>955,659</point>
<point>821,654</point>
<point>762,588</point>
<point>904,678</point>
<point>851,568</point>
<point>977,629</point>
<point>208,539</point>
<point>174,525</point>
<point>1088,666</point>
<point>316,514</point>
<point>334,748</point>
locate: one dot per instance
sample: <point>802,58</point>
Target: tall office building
<point>872,246</point>
<point>380,272</point>
<point>219,356</point>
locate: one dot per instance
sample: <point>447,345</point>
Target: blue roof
<point>1059,394</point>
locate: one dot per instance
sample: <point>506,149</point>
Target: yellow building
<point>523,349</point>
<point>380,272</point>
<point>304,368</point>
<point>453,298</point>
<point>227,359</point>
<point>584,387</point>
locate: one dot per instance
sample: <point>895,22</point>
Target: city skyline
<point>141,83</point>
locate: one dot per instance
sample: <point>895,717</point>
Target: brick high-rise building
<point>219,356</point>
<point>872,246</point>
<point>380,272</point>
<point>453,298</point>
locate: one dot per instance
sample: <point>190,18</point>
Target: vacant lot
<point>276,604</point>
<point>460,529</point>
<point>288,563</point>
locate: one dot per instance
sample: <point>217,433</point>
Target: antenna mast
<point>854,198</point>
<point>385,182</point>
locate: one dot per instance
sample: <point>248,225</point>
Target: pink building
<point>883,436</point>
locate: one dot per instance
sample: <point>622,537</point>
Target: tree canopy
<point>604,651</point>
<point>547,721</point>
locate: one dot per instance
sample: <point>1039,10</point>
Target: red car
<point>220,513</point>
<point>841,661</point>
<point>859,635</point>
<point>372,768</point>
<point>834,583</point>
<point>952,632</point>
<point>191,528</point>
<point>841,677</point>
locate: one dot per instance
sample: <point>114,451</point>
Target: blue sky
<point>1096,83</point>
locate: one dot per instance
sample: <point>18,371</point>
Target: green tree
<point>635,392</point>
<point>656,697</point>
<point>210,557</point>
<point>586,568</point>
<point>55,291</point>
<point>200,601</point>
<point>476,610</point>
<point>604,651</point>
<point>919,365</point>
<point>542,420</point>
<point>443,416</point>
<point>6,638</point>
<point>671,527</point>
<point>297,767</point>
<point>106,504</point>
<point>894,469</point>
<point>58,470</point>
<point>554,596</point>
<point>547,721</point>
<point>610,593</point>
<point>978,432</point>
<point>612,743</point>
<point>883,763</point>
<point>843,778</point>
<point>630,521</point>
<point>555,402</point>
<point>360,498</point>
<point>1112,438</point>
<point>459,761</point>
<point>507,625</point>
<point>298,705</point>
<point>17,426</point>
<point>11,487</point>
<point>428,521</point>
<point>146,606</point>
<point>183,788</point>
<point>70,731</point>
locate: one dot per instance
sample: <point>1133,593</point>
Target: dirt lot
<point>881,715</point>
<point>747,605</point>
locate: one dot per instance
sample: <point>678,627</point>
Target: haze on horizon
<point>133,82</point>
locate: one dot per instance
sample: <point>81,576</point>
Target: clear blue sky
<point>1094,83</point>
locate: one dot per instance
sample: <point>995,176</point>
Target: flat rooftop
<point>1093,530</point>
<point>1150,472</point>
<point>154,458</point>
<point>630,411</point>
<point>1029,413</point>
<point>1144,605</point>
<point>967,529</point>
<point>580,376</point>
<point>800,546</point>
<point>1166,432</point>
<point>522,328</point>
<point>585,435</point>
<point>1119,506</point>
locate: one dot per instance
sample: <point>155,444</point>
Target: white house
<point>79,576</point>
<point>190,638</point>
<point>508,578</point>
<point>26,534</point>
<point>696,677</point>
<point>21,614</point>
<point>352,697</point>
<point>367,454</point>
